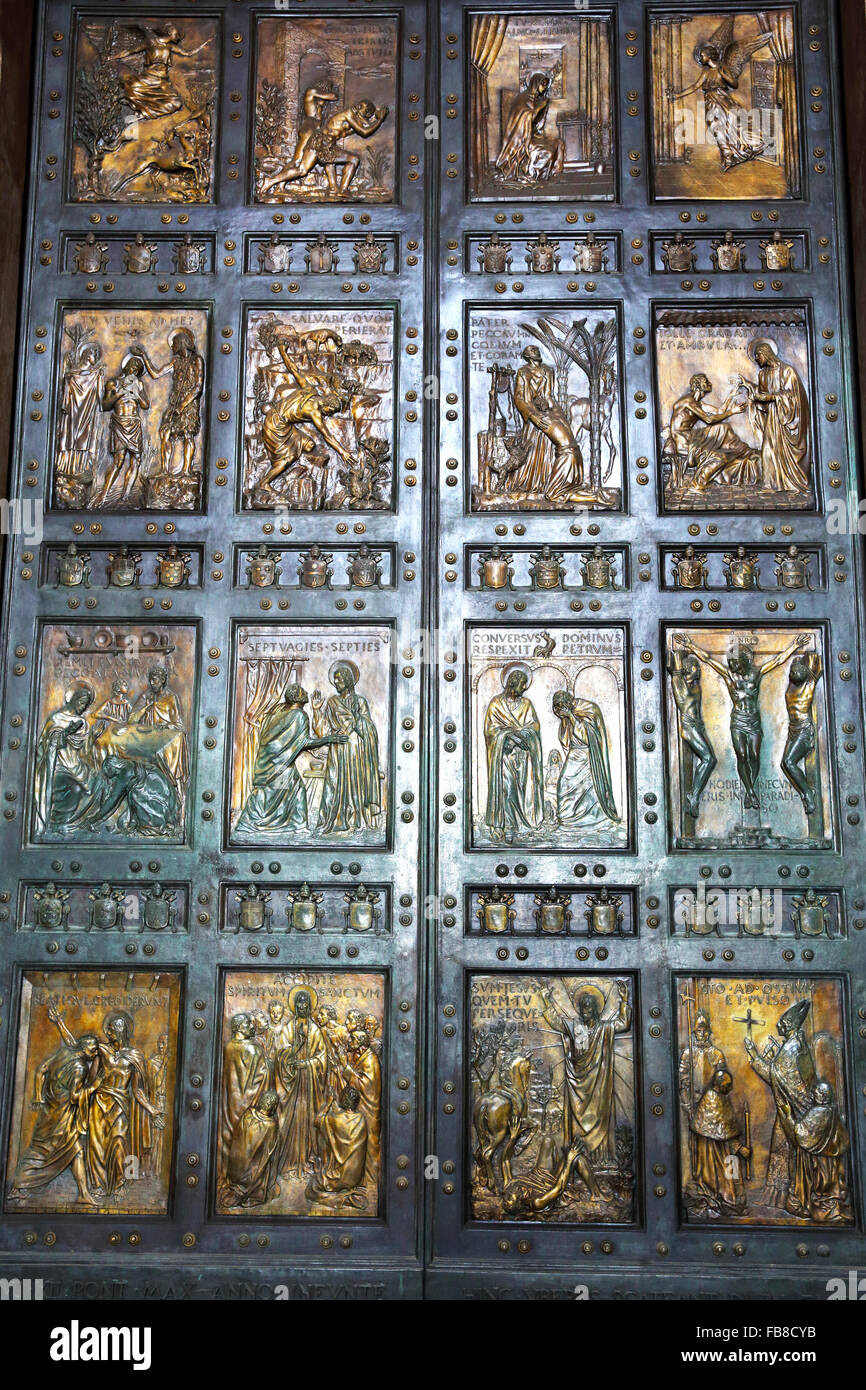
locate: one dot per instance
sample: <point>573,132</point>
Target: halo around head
<point>595,993</point>
<point>344,666</point>
<point>181,333</point>
<point>75,688</point>
<point>516,666</point>
<point>303,989</point>
<point>763,342</point>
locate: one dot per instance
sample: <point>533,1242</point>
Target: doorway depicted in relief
<point>326,98</point>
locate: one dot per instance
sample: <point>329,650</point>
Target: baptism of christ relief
<point>541,116</point>
<point>300,1093</point>
<point>142,123</point>
<point>319,409</point>
<point>549,738</point>
<point>326,99</point>
<point>544,406</point>
<point>764,1121</point>
<point>725,114</point>
<point>129,410</point>
<point>111,740</point>
<point>312,733</point>
<point>553,1130</point>
<point>748,732</point>
<point>93,1122</point>
<point>734,408</point>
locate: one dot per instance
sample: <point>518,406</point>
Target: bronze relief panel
<point>540,96</point>
<point>319,409</point>
<point>130,391</point>
<point>725,110</point>
<point>549,763</point>
<point>299,1129</point>
<point>553,1098</point>
<point>544,408</point>
<point>764,1121</point>
<point>749,731</point>
<point>326,110</point>
<point>735,408</point>
<point>115,705</point>
<point>311,743</point>
<point>144,109</point>
<point>93,1126</point>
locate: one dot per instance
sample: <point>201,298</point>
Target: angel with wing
<point>150,92</point>
<point>721,59</point>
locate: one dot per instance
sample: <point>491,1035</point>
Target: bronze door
<point>214,752</point>
<point>432,774</point>
<point>648,708</point>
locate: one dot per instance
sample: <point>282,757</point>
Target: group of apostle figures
<point>300,1102</point>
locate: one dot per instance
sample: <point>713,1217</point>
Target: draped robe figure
<point>157,1074</point>
<point>779,410</point>
<point>588,1051</point>
<point>301,1070</point>
<point>64,1084</point>
<point>807,1134</point>
<point>365,1072</point>
<point>120,1120</point>
<point>527,154</point>
<point>245,1077</point>
<point>66,772</point>
<point>551,463</point>
<point>344,1144</point>
<point>714,1142</point>
<point>351,794</point>
<point>157,707</point>
<point>251,1167</point>
<point>278,798</point>
<point>515,775</point>
<point>80,412</point>
<point>584,794</point>
<point>697,1066</point>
